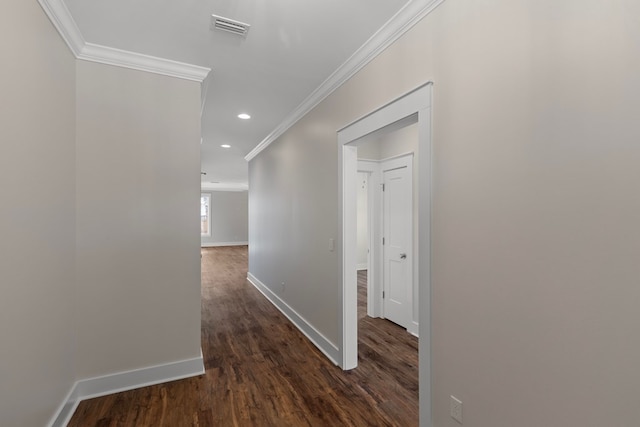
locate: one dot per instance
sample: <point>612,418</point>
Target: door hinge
<point>382,187</point>
<point>382,294</point>
<point>383,240</point>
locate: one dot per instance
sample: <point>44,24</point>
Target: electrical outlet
<point>282,287</point>
<point>456,409</point>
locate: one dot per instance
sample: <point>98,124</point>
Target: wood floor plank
<point>261,371</point>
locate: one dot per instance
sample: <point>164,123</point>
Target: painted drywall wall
<point>138,239</point>
<point>390,144</point>
<point>37,216</point>
<point>289,225</point>
<point>535,207</point>
<point>229,218</point>
<point>363,222</point>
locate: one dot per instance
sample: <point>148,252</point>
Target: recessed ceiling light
<point>244,116</point>
<point>225,146</point>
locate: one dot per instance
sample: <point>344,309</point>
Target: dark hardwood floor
<point>261,371</point>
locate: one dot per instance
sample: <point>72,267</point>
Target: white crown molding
<point>63,21</point>
<point>141,62</point>
<point>399,24</point>
<point>61,18</point>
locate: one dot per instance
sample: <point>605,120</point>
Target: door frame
<point>374,205</point>
<point>414,103</point>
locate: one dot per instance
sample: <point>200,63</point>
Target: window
<point>205,214</point>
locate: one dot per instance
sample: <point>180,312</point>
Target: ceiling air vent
<point>226,24</point>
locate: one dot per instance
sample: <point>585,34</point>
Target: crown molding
<point>137,61</point>
<point>61,18</point>
<point>399,24</point>
<point>63,21</point>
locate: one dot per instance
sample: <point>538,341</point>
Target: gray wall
<point>292,216</point>
<point>535,207</point>
<point>229,218</point>
<point>99,273</point>
<point>37,216</point>
<point>138,192</point>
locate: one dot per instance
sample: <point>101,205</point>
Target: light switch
<point>332,245</point>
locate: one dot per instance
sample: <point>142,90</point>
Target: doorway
<point>413,107</point>
<point>386,226</point>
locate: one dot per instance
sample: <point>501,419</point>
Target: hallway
<point>261,371</point>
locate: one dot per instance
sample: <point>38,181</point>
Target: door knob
<point>403,256</point>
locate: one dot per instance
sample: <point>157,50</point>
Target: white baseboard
<point>324,345</point>
<point>218,244</point>
<point>362,267</point>
<point>65,411</point>
<point>123,381</point>
<point>414,329</point>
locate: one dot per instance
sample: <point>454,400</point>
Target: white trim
<point>397,162</point>
<point>61,18</point>
<point>347,206</point>
<point>138,61</point>
<point>209,186</point>
<point>374,274</point>
<point>399,24</point>
<point>315,336</point>
<point>219,244</point>
<point>398,156</point>
<point>361,267</point>
<point>414,329</point>
<point>395,110</point>
<point>63,21</point>
<point>417,101</point>
<point>65,411</point>
<point>123,381</point>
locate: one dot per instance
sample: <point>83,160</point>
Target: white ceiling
<point>291,48</point>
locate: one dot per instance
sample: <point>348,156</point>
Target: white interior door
<point>397,178</point>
